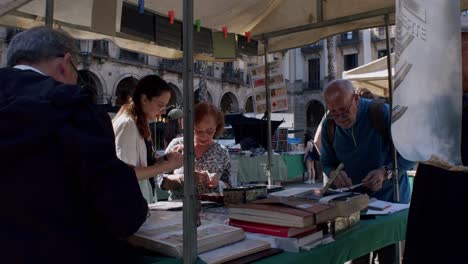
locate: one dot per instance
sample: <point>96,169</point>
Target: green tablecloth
<point>367,236</point>
<point>285,167</point>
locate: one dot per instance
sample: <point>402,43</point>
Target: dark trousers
<point>386,255</point>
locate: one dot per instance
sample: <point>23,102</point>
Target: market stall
<point>278,24</point>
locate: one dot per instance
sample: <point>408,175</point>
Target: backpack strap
<point>377,117</point>
<point>331,125</point>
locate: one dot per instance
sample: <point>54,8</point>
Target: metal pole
<point>268,109</point>
<point>190,203</point>
<point>396,193</point>
<point>49,13</point>
<point>396,178</point>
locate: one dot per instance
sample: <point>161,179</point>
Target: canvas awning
<point>90,19</point>
<point>373,76</point>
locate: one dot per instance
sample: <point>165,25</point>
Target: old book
<point>273,230</point>
<point>234,251</point>
<point>255,256</point>
<point>168,239</point>
<point>295,191</point>
<point>289,244</point>
<point>284,211</point>
<point>346,203</point>
<point>379,205</point>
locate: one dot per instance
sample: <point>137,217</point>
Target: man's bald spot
<point>338,88</point>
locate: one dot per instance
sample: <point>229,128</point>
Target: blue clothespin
<point>141,6</point>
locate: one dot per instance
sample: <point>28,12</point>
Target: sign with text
<point>276,85</point>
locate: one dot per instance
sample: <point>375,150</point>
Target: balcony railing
<point>233,75</point>
<point>312,48</point>
<point>172,65</point>
<point>344,39</point>
<point>178,66</point>
<point>197,69</point>
<point>131,56</point>
<point>101,47</point>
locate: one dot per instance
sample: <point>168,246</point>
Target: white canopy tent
<point>312,20</point>
<point>373,76</point>
<point>280,24</point>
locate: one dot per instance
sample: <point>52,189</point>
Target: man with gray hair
<point>357,134</point>
<point>65,195</point>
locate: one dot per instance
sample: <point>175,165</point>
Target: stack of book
<point>296,219</point>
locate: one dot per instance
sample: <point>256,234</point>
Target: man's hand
<point>374,179</point>
<point>342,180</point>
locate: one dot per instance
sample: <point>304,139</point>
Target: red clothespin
<point>247,34</point>
<point>225,31</point>
<point>171,16</point>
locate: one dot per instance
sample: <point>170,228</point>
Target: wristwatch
<point>388,171</point>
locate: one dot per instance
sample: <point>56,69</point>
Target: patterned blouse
<point>214,160</point>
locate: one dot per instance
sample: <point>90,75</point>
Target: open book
<point>169,240</point>
<point>234,251</point>
<point>163,233</point>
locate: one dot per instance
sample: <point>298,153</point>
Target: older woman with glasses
<point>212,162</point>
<point>133,136</point>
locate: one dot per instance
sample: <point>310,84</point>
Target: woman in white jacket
<point>131,129</point>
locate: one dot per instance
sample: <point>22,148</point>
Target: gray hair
<point>342,85</point>
<point>40,44</point>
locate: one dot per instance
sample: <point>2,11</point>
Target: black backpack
<point>377,117</point>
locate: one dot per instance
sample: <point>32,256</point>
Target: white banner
<point>426,122</point>
<point>277,87</point>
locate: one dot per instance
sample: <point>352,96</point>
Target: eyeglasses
<point>335,115</point>
<point>79,80</point>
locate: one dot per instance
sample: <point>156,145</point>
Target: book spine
<point>259,228</point>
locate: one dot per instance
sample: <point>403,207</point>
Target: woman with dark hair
<point>310,155</point>
<point>212,162</point>
<point>132,132</point>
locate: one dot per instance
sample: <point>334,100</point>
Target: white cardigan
<point>131,149</point>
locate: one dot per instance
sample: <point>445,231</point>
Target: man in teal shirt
<point>357,143</point>
<point>363,148</point>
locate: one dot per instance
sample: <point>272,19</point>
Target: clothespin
<point>247,34</point>
<point>141,6</point>
<point>225,31</point>
<point>171,16</point>
<point>198,24</point>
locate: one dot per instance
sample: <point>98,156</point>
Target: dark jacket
<point>64,195</point>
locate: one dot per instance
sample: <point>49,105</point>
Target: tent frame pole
<point>326,23</point>
<point>190,200</point>
<point>49,13</point>
<point>396,178</point>
<point>268,111</point>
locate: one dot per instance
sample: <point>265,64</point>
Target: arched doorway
<point>196,96</point>
<point>176,96</point>
<point>315,112</point>
<point>229,103</point>
<point>125,90</point>
<point>90,81</point>
<point>249,106</point>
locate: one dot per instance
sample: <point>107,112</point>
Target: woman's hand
<point>178,148</point>
<point>209,180</point>
<point>175,160</point>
